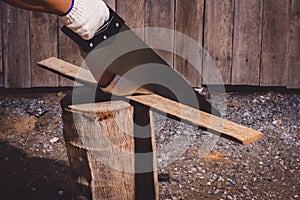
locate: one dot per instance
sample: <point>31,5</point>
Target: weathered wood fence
<point>253,42</point>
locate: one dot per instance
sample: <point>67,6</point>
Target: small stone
<point>229,197</point>
<point>54,140</point>
<point>231,181</point>
<point>60,193</point>
<point>6,158</point>
<point>216,191</point>
<point>296,196</point>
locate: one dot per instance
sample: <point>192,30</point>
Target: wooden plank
<point>43,44</point>
<point>68,70</point>
<point>16,51</point>
<point>133,12</point>
<point>293,80</point>
<point>189,21</point>
<point>218,40</point>
<point>247,42</point>
<point>199,118</point>
<point>275,43</point>
<point>161,14</point>
<point>191,115</point>
<point>1,58</point>
<point>68,51</point>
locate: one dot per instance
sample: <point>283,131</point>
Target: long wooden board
<point>243,134</point>
<point>160,14</point>
<point>247,42</point>
<point>1,59</point>
<point>218,40</point>
<point>293,80</point>
<point>275,43</point>
<point>16,47</point>
<point>43,44</point>
<point>189,21</point>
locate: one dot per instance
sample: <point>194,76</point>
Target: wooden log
<point>100,146</point>
<point>243,134</point>
<point>102,150</point>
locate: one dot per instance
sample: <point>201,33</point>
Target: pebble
<point>60,193</point>
<point>216,191</point>
<point>231,181</point>
<point>54,140</point>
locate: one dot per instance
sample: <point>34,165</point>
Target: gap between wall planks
<point>43,44</point>
<point>189,21</point>
<point>293,80</point>
<point>247,42</point>
<point>16,47</point>
<point>218,40</point>
<point>161,14</point>
<point>1,58</point>
<point>275,42</point>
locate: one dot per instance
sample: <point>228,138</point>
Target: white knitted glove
<point>85,17</point>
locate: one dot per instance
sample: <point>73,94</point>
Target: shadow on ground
<point>24,177</point>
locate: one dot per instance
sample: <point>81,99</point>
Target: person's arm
<point>57,7</point>
<point>84,17</point>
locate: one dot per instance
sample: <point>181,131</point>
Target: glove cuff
<point>69,10</point>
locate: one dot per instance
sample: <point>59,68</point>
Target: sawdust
<point>22,125</point>
<point>215,157</point>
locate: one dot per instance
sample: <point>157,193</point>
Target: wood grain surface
<point>161,14</point>
<point>276,19</point>
<point>16,47</point>
<point>218,40</point>
<point>1,58</point>
<point>293,79</point>
<point>247,42</point>
<point>189,21</point>
<point>43,44</point>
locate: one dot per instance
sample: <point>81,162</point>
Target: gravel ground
<point>34,161</point>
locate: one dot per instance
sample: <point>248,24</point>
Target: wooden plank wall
<point>1,53</point>
<point>252,42</point>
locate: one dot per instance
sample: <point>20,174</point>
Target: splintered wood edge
<point>197,117</point>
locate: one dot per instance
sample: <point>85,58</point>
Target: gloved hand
<point>85,17</point>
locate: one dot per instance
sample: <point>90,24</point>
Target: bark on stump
<point>101,149</point>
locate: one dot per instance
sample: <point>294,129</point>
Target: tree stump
<point>102,147</point>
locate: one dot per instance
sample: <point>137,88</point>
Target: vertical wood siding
<point>252,42</point>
